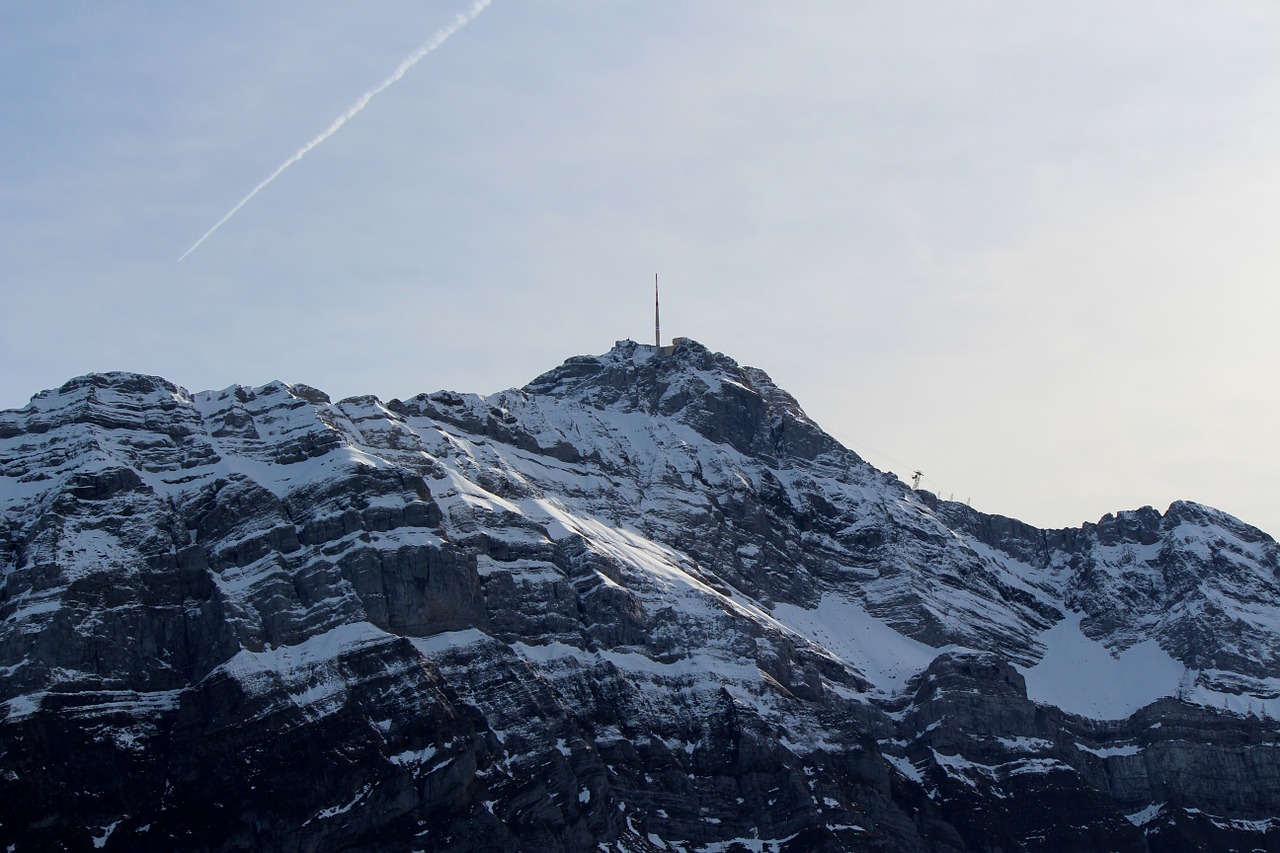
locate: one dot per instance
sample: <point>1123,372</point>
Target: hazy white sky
<point>1032,249</point>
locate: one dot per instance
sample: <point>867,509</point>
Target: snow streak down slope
<point>661,552</point>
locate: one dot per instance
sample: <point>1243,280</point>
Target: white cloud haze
<point>1027,248</point>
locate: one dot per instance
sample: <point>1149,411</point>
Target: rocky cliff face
<point>643,603</point>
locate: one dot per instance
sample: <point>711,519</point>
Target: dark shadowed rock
<point>643,603</point>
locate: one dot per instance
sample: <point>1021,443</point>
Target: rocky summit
<point>643,603</point>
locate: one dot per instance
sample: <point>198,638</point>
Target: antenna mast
<point>657,327</point>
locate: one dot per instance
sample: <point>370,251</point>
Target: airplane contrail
<point>438,38</point>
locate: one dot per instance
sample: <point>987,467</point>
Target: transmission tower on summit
<point>657,326</point>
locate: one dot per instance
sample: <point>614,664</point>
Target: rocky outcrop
<point>643,603</point>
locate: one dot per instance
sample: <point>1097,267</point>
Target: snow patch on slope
<point>844,628</point>
<point>308,671</point>
<point>1082,676</point>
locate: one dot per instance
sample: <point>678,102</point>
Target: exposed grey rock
<point>587,612</point>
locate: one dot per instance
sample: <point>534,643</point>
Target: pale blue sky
<point>1032,249</point>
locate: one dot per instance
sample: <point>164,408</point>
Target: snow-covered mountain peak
<point>1203,515</point>
<point>706,390</point>
<point>640,377</point>
<point>642,599</point>
<point>106,399</point>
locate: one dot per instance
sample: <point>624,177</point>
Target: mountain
<point>643,603</point>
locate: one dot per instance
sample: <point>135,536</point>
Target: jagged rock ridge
<point>643,602</point>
